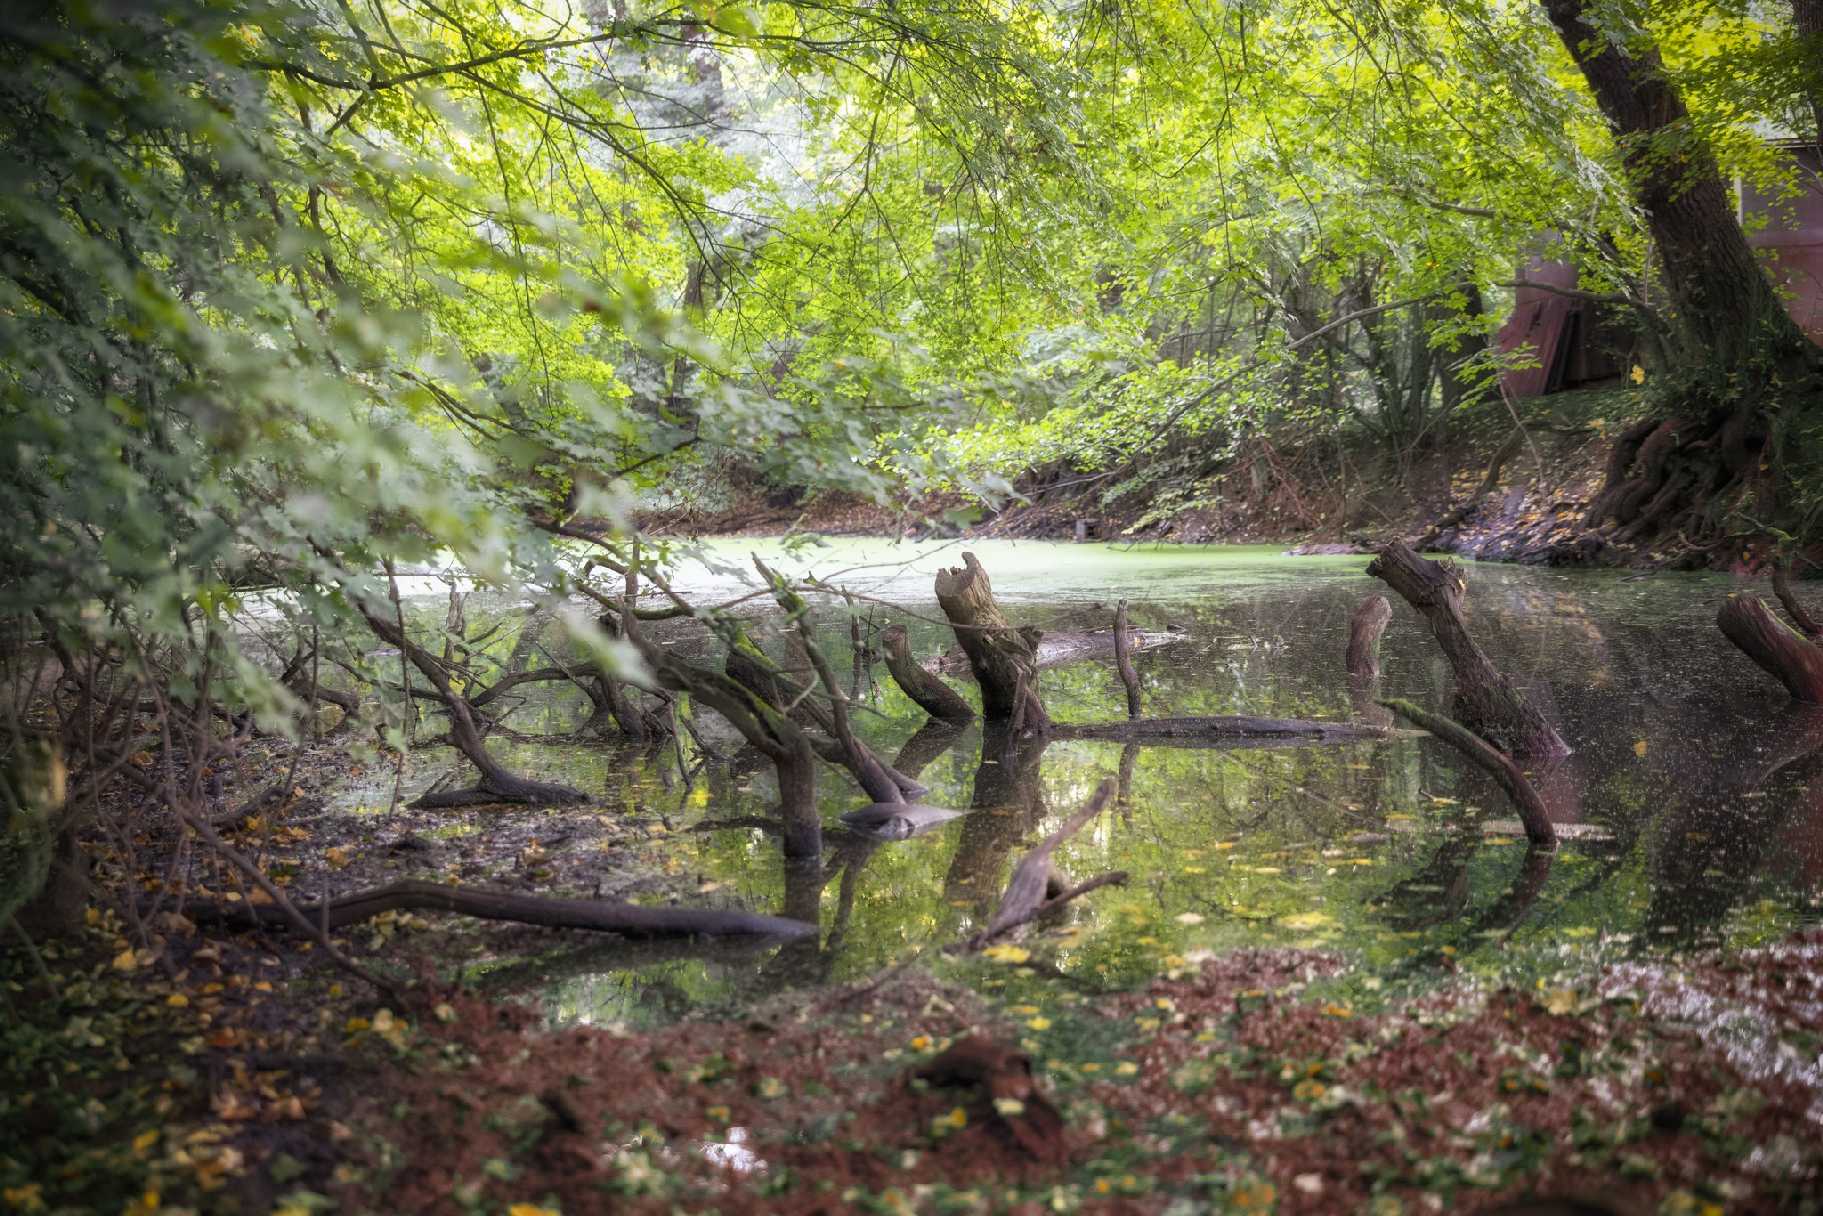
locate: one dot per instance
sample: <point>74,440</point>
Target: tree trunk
<point>1497,764</point>
<point>1740,362</point>
<point>1003,659</point>
<point>1486,701</point>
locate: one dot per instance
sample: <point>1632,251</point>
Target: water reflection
<point>1700,800</point>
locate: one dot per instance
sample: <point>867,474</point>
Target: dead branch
<point>925,688</point>
<point>1497,764</point>
<point>1794,608</point>
<point>1486,700</point>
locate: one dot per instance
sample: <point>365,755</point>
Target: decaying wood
<point>1025,890</point>
<point>1488,703</point>
<point>1778,650</point>
<point>1497,764</point>
<point>629,920</point>
<point>929,692</point>
<point>1123,659</point>
<point>1003,659</point>
<point>1794,607</point>
<point>1191,732</point>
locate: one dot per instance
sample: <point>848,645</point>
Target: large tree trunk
<point>1725,312</point>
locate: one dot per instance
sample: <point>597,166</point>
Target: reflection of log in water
<point>1008,803</point>
<point>1362,660</point>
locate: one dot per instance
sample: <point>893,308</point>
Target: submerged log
<point>929,692</point>
<point>1486,700</point>
<point>1214,730</point>
<point>1774,646</point>
<point>1497,764</point>
<point>628,920</point>
<point>1003,659</point>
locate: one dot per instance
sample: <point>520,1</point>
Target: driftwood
<point>1190,732</point>
<point>629,920</point>
<point>1002,658</point>
<point>930,693</point>
<point>1488,703</point>
<point>1123,659</point>
<point>1500,766</point>
<point>1774,646</point>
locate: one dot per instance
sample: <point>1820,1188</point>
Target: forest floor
<point>214,1071</point>
<point>237,1080</point>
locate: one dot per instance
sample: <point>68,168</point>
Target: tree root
<point>1499,765</point>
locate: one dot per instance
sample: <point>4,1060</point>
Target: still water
<point>1691,809</point>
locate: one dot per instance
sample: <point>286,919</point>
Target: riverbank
<point>1505,485</point>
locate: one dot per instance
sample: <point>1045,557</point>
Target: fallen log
<point>1532,812</point>
<point>1212,730</point>
<point>628,920</point>
<point>929,692</point>
<point>1778,650</point>
<point>1487,702</point>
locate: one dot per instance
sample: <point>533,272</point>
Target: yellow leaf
<point>177,1000</point>
<point>125,960</point>
<point>530,1209</point>
<point>1639,749</point>
<point>1560,1001</point>
<point>1307,920</point>
<point>1007,954</point>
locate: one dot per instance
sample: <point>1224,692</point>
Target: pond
<point>1686,819</point>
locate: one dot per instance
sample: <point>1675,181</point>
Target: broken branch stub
<point>1003,659</point>
<point>1496,763</point>
<point>1362,660</point>
<point>925,688</point>
<point>1487,701</point>
<point>1797,664</point>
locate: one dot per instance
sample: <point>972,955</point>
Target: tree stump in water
<point>925,688</point>
<point>1774,646</point>
<point>1488,703</point>
<point>1362,660</point>
<point>1003,659</point>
